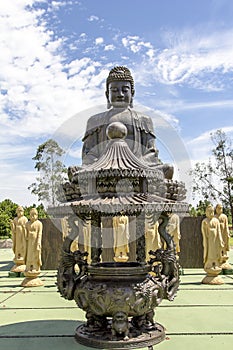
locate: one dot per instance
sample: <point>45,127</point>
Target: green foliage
<point>200,208</point>
<point>214,180</point>
<point>40,208</point>
<point>52,172</point>
<point>8,213</point>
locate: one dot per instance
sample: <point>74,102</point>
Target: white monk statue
<point>34,229</point>
<point>222,218</point>
<point>121,238</point>
<point>213,245</point>
<point>18,229</point>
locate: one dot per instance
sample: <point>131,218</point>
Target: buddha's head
<point>33,214</point>
<point>219,209</point>
<point>209,211</point>
<point>119,88</point>
<point>19,211</point>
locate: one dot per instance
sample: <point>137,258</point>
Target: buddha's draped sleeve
<point>92,138</point>
<point>147,138</point>
<point>204,230</point>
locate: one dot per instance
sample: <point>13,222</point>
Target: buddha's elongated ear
<point>108,102</point>
<point>131,103</point>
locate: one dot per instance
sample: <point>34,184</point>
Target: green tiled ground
<point>200,317</point>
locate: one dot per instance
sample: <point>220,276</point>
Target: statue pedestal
<point>121,258</point>
<point>18,268</point>
<point>212,276</point>
<point>227,268</point>
<point>31,279</point>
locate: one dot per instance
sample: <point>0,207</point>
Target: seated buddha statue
<point>140,133</point>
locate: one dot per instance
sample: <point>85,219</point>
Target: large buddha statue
<point>140,133</point>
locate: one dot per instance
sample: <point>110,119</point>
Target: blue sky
<point>55,56</point>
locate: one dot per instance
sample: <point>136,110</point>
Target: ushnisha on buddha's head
<point>119,88</point>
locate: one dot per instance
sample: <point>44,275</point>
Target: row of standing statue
<point>121,237</point>
<point>26,237</point>
<point>215,232</point>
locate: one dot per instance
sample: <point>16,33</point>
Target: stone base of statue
<point>18,268</point>
<point>31,279</point>
<point>227,268</point>
<point>212,276</point>
<point>106,339</point>
<point>121,258</point>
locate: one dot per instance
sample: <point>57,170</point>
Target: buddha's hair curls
<point>120,73</point>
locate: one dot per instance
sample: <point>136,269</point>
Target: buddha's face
<point>19,212</point>
<point>33,215</point>
<point>210,212</point>
<point>219,209</point>
<point>119,94</point>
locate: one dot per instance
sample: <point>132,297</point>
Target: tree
<point>7,213</point>
<point>40,208</point>
<point>200,208</point>
<point>52,172</point>
<point>214,180</point>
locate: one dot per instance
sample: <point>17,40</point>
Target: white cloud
<point>182,105</point>
<point>201,146</point>
<point>14,185</point>
<point>93,18</point>
<point>109,47</point>
<point>99,41</point>
<point>40,92</point>
<point>200,59</point>
<point>193,58</point>
<point>135,44</point>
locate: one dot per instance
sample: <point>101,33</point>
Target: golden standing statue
<point>173,228</point>
<point>33,258</point>
<point>18,228</point>
<point>213,245</point>
<point>223,220</point>
<point>121,238</point>
<point>152,237</point>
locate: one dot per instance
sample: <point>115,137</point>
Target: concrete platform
<point>200,317</point>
